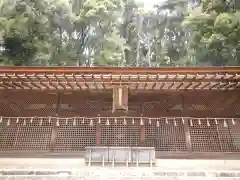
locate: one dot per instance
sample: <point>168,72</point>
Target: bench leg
<point>103,161</point>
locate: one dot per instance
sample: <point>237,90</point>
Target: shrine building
<point>132,116</point>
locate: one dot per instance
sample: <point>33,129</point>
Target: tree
<point>22,29</point>
<point>173,43</point>
<point>119,33</point>
<point>215,31</point>
<point>95,34</point>
<point>60,32</point>
<point>128,30</point>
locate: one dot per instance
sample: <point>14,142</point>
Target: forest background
<point>119,33</point>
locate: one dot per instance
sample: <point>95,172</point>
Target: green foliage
<point>118,33</point>
<point>17,49</point>
<point>61,33</point>
<point>22,29</point>
<point>215,33</point>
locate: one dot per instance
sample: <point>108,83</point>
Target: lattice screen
<point>75,134</point>
<point>25,135</point>
<point>213,135</point>
<point>234,130</point>
<point>165,134</point>
<point>120,132</point>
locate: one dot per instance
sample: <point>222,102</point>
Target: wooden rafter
<point>77,83</point>
<point>34,78</point>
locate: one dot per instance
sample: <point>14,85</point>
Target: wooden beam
<point>171,85</point>
<point>51,82</point>
<point>40,82</point>
<point>68,83</point>
<point>94,83</point>
<point>206,85</point>
<point>146,83</point>
<point>186,87</point>
<point>3,85</point>
<point>196,85</point>
<point>156,80</point>
<point>125,70</point>
<point>111,78</point>
<point>59,82</point>
<point>27,85</point>
<point>162,85</point>
<point>85,83</point>
<point>18,85</point>
<point>102,81</point>
<point>9,84</point>
<point>213,85</point>
<point>35,85</point>
<point>138,78</point>
<point>23,82</point>
<point>32,82</point>
<point>123,79</point>
<point>230,85</point>
<point>77,83</point>
<point>221,85</point>
<point>179,86</point>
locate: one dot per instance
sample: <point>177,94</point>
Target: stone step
<point>78,163</point>
<point>115,173</point>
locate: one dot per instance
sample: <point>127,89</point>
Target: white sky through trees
<point>148,4</point>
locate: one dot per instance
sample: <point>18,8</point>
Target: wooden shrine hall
<point>179,112</point>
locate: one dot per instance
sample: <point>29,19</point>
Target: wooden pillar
<point>187,135</point>
<point>142,132</point>
<point>55,127</point>
<point>53,137</point>
<point>98,132</point>
<point>2,97</point>
<point>186,128</point>
<point>142,135</point>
